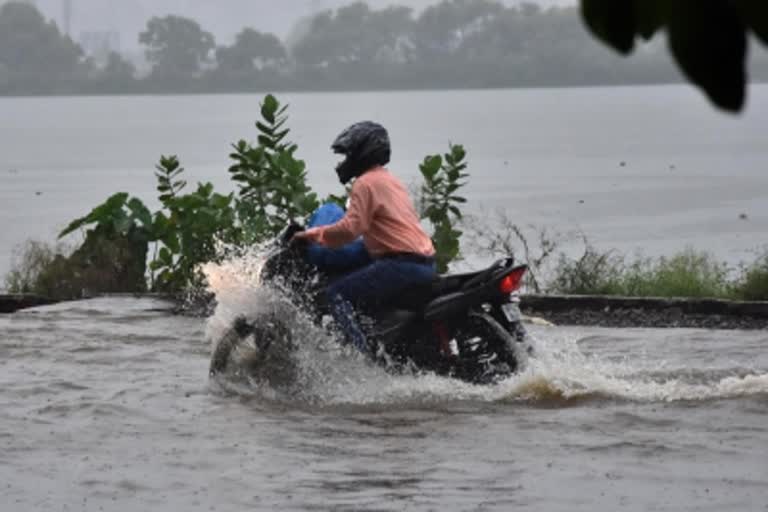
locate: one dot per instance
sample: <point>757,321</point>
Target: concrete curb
<point>16,302</point>
<point>11,303</point>
<point>610,311</point>
<point>560,303</point>
<point>586,310</point>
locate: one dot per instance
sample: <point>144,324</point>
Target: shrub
<point>439,202</point>
<point>28,262</point>
<point>183,233</point>
<point>594,273</point>
<point>102,264</point>
<point>689,273</point>
<point>753,283</point>
<point>113,256</point>
<point>273,188</point>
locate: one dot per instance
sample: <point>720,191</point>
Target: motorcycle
<point>463,326</point>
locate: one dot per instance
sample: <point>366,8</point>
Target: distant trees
<point>452,44</point>
<point>448,28</point>
<point>462,43</point>
<point>254,61</point>
<point>354,34</point>
<point>33,53</point>
<point>252,51</point>
<point>177,47</point>
<point>36,58</point>
<point>118,76</point>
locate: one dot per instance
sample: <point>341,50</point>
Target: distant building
<point>98,44</point>
<point>66,12</point>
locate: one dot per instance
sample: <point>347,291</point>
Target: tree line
<point>453,44</point>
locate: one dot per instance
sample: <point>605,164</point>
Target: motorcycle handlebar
<point>286,237</point>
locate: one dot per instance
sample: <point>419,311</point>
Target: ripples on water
<point>105,404</point>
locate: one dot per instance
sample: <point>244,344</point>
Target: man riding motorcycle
<point>381,211</point>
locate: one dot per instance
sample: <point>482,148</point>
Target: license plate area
<point>511,312</point>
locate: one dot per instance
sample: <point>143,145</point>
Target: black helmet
<point>365,145</point>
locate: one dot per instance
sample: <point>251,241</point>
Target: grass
<point>753,283</point>
<point>29,262</point>
<point>100,265</point>
<point>689,273</point>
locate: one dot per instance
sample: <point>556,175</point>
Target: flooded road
<point>106,405</point>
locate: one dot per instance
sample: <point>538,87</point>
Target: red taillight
<point>512,281</point>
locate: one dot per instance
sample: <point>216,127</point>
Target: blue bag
<point>350,256</point>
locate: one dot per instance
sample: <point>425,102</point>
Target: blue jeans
<point>370,287</point>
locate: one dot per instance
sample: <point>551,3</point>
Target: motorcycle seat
<point>418,296</point>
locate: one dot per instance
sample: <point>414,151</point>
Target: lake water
<point>106,404</point>
<point>548,157</point>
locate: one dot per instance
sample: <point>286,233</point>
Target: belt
<point>410,257</point>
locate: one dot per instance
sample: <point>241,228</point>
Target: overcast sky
<point>224,18</point>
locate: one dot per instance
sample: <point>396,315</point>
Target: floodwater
<point>106,405</point>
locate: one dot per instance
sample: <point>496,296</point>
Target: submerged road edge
<point>613,311</point>
<point>584,310</point>
<point>13,303</point>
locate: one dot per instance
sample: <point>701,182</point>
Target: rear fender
<point>485,289</point>
<point>488,274</point>
<point>448,306</point>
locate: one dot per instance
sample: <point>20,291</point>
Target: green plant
<point>186,229</point>
<point>168,172</point>
<point>443,177</point>
<point>273,188</point>
<point>689,273</point>
<point>339,200</point>
<point>113,255</point>
<point>117,216</point>
<point>183,233</point>
<point>753,282</point>
<point>28,262</point>
<point>593,273</point>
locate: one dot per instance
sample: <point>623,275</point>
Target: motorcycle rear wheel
<point>487,351</point>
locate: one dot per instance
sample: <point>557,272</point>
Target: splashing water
<point>562,372</point>
<point>323,372</point>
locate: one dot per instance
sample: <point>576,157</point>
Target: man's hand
<point>310,235</point>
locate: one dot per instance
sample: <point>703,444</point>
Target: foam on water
<point>561,373</point>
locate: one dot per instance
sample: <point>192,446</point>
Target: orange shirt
<point>382,212</point>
